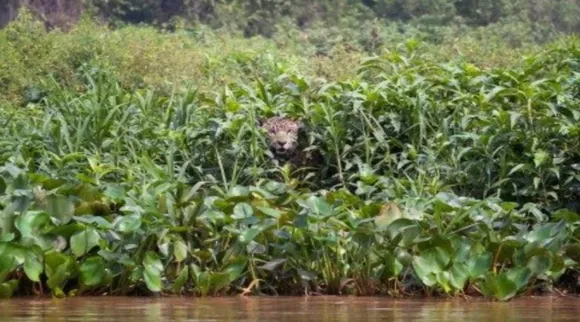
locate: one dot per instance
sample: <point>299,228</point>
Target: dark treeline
<point>259,16</point>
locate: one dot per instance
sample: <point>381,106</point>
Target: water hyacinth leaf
<point>318,206</point>
<point>82,242</point>
<point>7,288</point>
<point>275,213</point>
<point>458,275</point>
<point>443,280</point>
<point>539,264</point>
<point>392,266</point>
<point>129,224</point>
<point>242,210</point>
<point>181,279</point>
<point>424,271</point>
<point>500,287</point>
<point>273,264</point>
<point>31,222</point>
<point>7,265</point>
<point>180,250</point>
<point>114,192</point>
<point>219,281</point>
<point>152,269</point>
<point>429,263</point>
<point>238,193</point>
<point>519,276</point>
<point>203,283</point>
<point>407,228</point>
<point>573,251</point>
<point>388,213</point>
<point>255,248</point>
<point>92,271</point>
<point>236,269</point>
<point>58,268</point>
<point>33,266</point>
<point>60,207</point>
<point>248,235</point>
<point>479,264</point>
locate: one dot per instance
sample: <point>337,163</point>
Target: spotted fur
<point>283,136</point>
<point>288,141</point>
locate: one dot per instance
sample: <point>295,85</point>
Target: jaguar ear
<point>301,125</point>
<point>259,122</point>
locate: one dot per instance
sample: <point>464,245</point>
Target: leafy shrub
<point>438,177</point>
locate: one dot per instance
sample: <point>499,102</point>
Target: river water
<point>351,309</point>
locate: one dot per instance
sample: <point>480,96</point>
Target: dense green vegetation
<point>131,162</point>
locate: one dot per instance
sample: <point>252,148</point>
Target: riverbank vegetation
<point>131,163</point>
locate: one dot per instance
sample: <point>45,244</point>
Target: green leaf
<point>58,268</point>
<point>203,283</point>
<point>129,224</point>
<point>429,263</point>
<point>7,288</point>
<point>180,280</point>
<point>478,265</point>
<point>392,266</point>
<point>152,268</point>
<point>82,242</point>
<point>31,222</point>
<point>248,235</point>
<point>519,276</point>
<point>33,266</point>
<point>318,206</point>
<point>273,264</point>
<point>275,213</point>
<point>500,287</point>
<point>539,264</point>
<point>242,210</point>
<point>92,271</point>
<point>7,265</point>
<point>60,207</point>
<point>458,275</point>
<point>388,213</point>
<point>219,281</point>
<point>573,251</point>
<point>540,158</point>
<point>180,250</point>
<point>505,288</point>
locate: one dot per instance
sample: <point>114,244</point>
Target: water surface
<point>352,309</point>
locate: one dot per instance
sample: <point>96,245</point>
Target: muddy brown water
<point>352,309</point>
